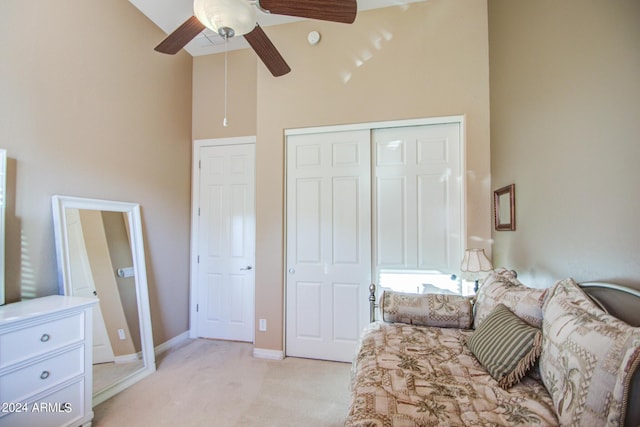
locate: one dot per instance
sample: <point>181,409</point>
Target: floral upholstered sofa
<point>514,356</point>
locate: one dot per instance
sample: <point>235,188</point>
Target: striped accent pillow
<point>506,346</point>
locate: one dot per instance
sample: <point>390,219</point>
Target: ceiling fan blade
<point>181,36</point>
<point>326,10</point>
<point>267,52</point>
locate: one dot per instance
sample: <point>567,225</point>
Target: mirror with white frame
<point>100,252</point>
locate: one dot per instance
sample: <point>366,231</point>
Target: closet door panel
<point>391,226</point>
<point>346,325</point>
<point>432,222</point>
<point>309,226</point>
<point>328,235</point>
<point>345,224</point>
<point>308,310</point>
<point>418,201</point>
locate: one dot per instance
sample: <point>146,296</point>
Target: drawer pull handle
<point>44,375</point>
<point>45,337</point>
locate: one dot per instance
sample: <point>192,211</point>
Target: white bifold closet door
<point>328,243</point>
<point>414,199</point>
<point>418,204</point>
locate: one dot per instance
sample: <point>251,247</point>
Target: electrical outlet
<point>262,326</point>
<point>121,334</point>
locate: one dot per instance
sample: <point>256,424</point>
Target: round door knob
<point>292,270</point>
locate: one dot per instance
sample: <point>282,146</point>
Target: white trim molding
<point>128,358</point>
<point>265,353</point>
<point>377,125</point>
<point>171,343</point>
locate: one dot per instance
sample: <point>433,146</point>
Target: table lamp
<point>474,263</point>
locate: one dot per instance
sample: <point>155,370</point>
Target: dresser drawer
<point>33,379</point>
<point>60,408</point>
<point>32,341</point>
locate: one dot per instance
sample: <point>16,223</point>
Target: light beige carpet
<point>220,384</point>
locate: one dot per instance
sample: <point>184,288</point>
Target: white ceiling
<point>169,14</point>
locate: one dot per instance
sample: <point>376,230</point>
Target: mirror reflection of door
<point>83,285</point>
<point>94,273</point>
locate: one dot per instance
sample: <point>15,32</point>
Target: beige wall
<point>87,108</point>
<point>565,127</point>
<point>208,95</point>
<point>116,227</point>
<point>428,59</point>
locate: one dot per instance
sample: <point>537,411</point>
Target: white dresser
<point>45,362</point>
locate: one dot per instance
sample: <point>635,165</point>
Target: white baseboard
<point>128,358</point>
<point>173,342</point>
<point>264,353</point>
<point>260,353</point>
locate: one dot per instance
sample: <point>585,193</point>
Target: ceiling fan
<point>230,18</point>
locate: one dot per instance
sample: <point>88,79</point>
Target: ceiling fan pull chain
<point>225,123</point>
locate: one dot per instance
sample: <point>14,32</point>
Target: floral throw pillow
<point>588,358</point>
<point>441,310</point>
<point>502,287</point>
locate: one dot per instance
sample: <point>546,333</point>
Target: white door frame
<point>195,191</point>
<point>460,119</point>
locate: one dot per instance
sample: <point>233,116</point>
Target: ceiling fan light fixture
<point>226,17</point>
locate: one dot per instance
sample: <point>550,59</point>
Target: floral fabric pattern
<point>407,375</point>
<point>446,311</point>
<point>588,358</point>
<point>502,287</point>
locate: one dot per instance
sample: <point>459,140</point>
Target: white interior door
<point>418,205</point>
<point>226,242</point>
<point>328,243</point>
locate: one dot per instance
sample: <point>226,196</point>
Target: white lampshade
<point>475,261</point>
<point>226,17</point>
